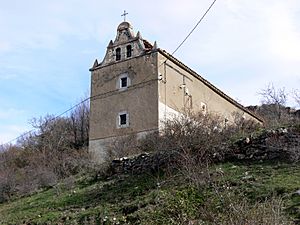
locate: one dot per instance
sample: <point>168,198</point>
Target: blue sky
<point>47,47</point>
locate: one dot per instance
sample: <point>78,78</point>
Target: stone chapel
<point>137,85</point>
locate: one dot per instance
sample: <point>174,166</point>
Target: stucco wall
<point>158,89</point>
<point>139,100</point>
<point>182,91</point>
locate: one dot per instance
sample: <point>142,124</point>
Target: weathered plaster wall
<point>166,113</point>
<point>140,99</point>
<point>182,91</point>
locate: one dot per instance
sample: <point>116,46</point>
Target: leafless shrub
<point>56,149</point>
<point>126,145</point>
<point>65,184</point>
<point>296,95</point>
<point>197,140</point>
<point>80,124</point>
<point>228,207</point>
<point>44,177</point>
<point>241,125</point>
<point>7,185</point>
<point>271,95</point>
<point>195,133</point>
<point>273,107</point>
<point>53,140</point>
<point>236,212</point>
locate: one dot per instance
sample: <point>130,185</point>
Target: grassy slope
<point>151,199</point>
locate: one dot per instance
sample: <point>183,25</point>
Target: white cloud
<point>10,132</point>
<point>4,46</point>
<point>10,113</point>
<point>284,38</point>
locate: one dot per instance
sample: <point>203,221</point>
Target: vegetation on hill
<point>196,176</point>
<point>54,150</point>
<point>236,193</point>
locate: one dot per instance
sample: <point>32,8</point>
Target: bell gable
<point>125,46</point>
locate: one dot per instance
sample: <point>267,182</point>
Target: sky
<point>47,47</point>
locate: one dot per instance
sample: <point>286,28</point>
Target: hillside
<point>241,174</point>
<point>236,192</point>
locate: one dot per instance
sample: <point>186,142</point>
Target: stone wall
<point>278,144</point>
<point>281,144</point>
<point>142,163</point>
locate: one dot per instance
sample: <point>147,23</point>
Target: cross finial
<point>124,14</point>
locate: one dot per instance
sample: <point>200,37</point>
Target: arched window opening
<point>118,54</point>
<point>128,51</point>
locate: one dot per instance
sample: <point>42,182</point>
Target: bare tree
<point>274,105</point>
<point>296,95</point>
<point>271,95</point>
<point>80,124</point>
<point>55,149</point>
<point>52,132</point>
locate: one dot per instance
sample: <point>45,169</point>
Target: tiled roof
<point>148,45</point>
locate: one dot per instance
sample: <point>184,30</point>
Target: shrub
<point>196,140</point>
<point>229,208</point>
<point>56,149</point>
<point>126,145</point>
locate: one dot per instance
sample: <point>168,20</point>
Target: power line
<point>68,110</point>
<point>54,118</point>
<point>211,5</point>
<point>189,34</point>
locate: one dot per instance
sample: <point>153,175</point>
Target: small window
<point>123,81</point>
<point>128,51</point>
<point>123,120</point>
<point>203,108</point>
<point>118,54</point>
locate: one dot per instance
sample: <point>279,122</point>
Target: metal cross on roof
<point>124,14</point>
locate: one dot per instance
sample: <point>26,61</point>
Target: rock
<point>297,192</point>
<point>247,140</point>
<point>276,144</point>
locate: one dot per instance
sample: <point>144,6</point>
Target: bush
<point>217,204</point>
<point>196,140</point>
<point>56,149</point>
<point>229,208</point>
<point>126,145</point>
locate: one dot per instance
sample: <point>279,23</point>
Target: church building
<point>137,85</point>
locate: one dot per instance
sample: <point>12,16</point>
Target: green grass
<point>261,180</point>
<point>154,199</point>
<point>100,198</point>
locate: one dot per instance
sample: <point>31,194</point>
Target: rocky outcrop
<point>266,108</point>
<point>279,144</point>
